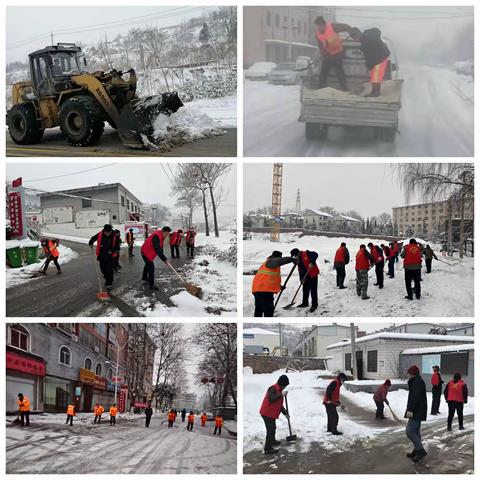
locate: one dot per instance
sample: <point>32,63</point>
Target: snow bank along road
<point>128,447</point>
<point>365,443</point>
<point>436,119</point>
<point>446,292</point>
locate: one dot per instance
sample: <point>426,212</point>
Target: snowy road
<point>436,119</point>
<point>129,448</point>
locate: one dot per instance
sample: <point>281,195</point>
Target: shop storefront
<point>25,374</point>
<point>58,393</point>
<point>92,389</point>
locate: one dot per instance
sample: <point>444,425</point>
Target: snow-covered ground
<point>223,111</point>
<point>436,119</point>
<point>16,276</point>
<point>308,417</point>
<point>447,292</point>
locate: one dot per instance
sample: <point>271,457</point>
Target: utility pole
<point>354,353</point>
<point>51,36</point>
<point>276,201</point>
<point>280,337</point>
<point>298,207</point>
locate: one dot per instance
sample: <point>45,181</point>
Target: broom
<point>189,287</point>
<point>393,413</point>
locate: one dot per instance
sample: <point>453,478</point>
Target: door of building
<point>360,365</point>
<point>87,398</point>
<point>16,385</point>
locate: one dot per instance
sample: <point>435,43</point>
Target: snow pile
<point>222,110</point>
<point>16,276</point>
<point>213,85</point>
<point>305,397</point>
<point>447,292</point>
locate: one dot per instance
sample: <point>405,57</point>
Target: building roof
<point>318,213</point>
<point>258,331</point>
<point>446,348</point>
<point>405,336</point>
<point>93,188</point>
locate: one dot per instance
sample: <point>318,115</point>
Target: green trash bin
<point>14,257</point>
<point>31,253</point>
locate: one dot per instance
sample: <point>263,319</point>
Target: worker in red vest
<point>50,248</point>
<point>379,262</point>
<point>363,263</point>
<point>331,49</point>
<point>308,272</point>
<point>106,241</point>
<point>412,264</point>
<point>151,248</point>
<point>390,256</point>
<point>270,410</point>
<point>175,242</point>
<point>456,395</point>
<point>342,258</point>
<point>331,400</point>
<point>437,383</point>
<point>190,241</point>
<point>380,398</point>
<point>267,282</point>
<point>396,250</point>
<point>130,239</point>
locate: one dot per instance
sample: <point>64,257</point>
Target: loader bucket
<point>137,118</point>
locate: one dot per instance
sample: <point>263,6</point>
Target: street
<point>53,144</point>
<point>436,119</point>
<point>54,448</point>
<point>74,292</point>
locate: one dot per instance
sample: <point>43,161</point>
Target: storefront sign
<point>15,212</point>
<point>87,376</point>
<point>122,400</point>
<point>23,364</point>
<point>140,404</point>
<point>100,383</point>
<point>78,391</point>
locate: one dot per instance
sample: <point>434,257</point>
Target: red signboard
<point>23,364</point>
<point>17,182</point>
<point>100,383</point>
<point>122,400</point>
<point>15,213</point>
<point>140,404</point>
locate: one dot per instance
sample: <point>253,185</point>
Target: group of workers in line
<point>455,393</point>
<point>267,281</point>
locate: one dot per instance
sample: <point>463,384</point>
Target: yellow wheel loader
<point>61,93</point>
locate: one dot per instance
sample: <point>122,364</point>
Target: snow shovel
<point>393,413</point>
<point>36,274</point>
<point>284,285</point>
<point>190,287</point>
<point>290,305</point>
<point>101,295</point>
<point>290,438</point>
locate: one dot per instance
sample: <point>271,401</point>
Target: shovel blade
<point>291,438</point>
<point>193,290</point>
<point>289,306</point>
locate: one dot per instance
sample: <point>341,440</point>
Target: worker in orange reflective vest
<point>267,282</point>
<point>98,410</point>
<point>113,414</point>
<point>412,264</point>
<point>70,414</point>
<point>218,425</point>
<point>191,420</point>
<point>170,418</point>
<point>50,248</point>
<point>331,49</point>
<point>24,409</point>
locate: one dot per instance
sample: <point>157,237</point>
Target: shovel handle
<point>176,273</point>
<point>284,285</point>
<point>288,415</point>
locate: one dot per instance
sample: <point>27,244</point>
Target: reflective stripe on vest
<point>267,280</point>
<point>332,42</point>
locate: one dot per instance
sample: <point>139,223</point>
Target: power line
<point>69,174</point>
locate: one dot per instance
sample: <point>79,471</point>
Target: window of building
<point>122,200</point>
<point>128,204</point>
<point>372,357</point>
<point>109,374</point>
<point>98,370</point>
<point>277,20</point>
<point>86,203</point>
<point>19,337</point>
<point>64,356</point>
<point>88,364</point>
<point>268,19</point>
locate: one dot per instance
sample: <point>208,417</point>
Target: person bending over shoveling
<point>308,271</point>
<point>380,398</point>
<point>331,400</point>
<point>268,282</point>
<point>151,248</point>
<point>270,410</point>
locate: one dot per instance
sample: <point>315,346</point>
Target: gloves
<point>284,393</point>
<point>287,415</point>
<point>386,401</point>
<point>282,288</point>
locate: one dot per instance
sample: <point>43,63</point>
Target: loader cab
<point>52,67</point>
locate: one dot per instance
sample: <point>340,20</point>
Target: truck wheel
<point>311,130</point>
<point>23,125</point>
<point>81,121</point>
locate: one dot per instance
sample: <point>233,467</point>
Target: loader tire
<point>81,121</point>
<point>23,125</point>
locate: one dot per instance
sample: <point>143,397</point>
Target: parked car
<point>284,74</point>
<point>465,68</point>
<point>259,70</point>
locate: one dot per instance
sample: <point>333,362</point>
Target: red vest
<point>306,262</point>
<point>395,247</point>
<point>340,255</point>
<point>190,237</point>
<point>175,238</point>
<point>377,256</point>
<point>272,410</point>
<point>361,260</point>
<point>336,393</point>
<point>129,237</point>
<point>413,255</point>
<point>99,242</point>
<point>147,247</point>
<point>435,379</point>
<point>455,391</point>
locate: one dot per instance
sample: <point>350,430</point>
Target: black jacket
<point>274,262</point>
<point>373,48</point>
<point>149,411</point>
<point>106,248</point>
<point>417,398</point>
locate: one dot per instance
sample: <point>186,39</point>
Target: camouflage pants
<point>362,283</point>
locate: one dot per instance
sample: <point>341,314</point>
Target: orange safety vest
<point>99,410</point>
<point>129,237</point>
<point>71,410</point>
<point>113,411</point>
<point>203,418</point>
<point>191,418</point>
<point>218,421</point>
<point>267,280</point>
<point>171,416</point>
<point>51,248</point>
<point>331,40</point>
<point>24,405</point>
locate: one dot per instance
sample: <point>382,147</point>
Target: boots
<point>375,90</point>
<point>412,454</point>
<point>419,455</point>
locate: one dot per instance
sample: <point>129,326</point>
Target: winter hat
<point>388,383</point>
<point>412,241</point>
<point>457,377</point>
<point>342,376</point>
<point>294,252</point>
<point>413,370</point>
<point>276,254</point>
<point>107,227</point>
<point>283,380</point>
<point>343,244</point>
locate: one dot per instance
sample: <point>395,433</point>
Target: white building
<point>259,339</point>
<point>316,219</point>
<point>378,355</point>
<point>432,328</point>
<point>188,401</point>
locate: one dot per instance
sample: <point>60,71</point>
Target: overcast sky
<point>371,189</point>
<point>149,182</point>
<point>28,28</point>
